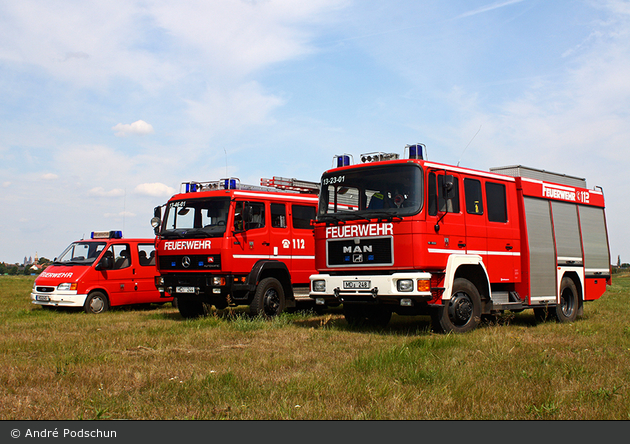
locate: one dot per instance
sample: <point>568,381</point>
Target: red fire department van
<point>410,236</point>
<point>224,243</point>
<point>104,271</point>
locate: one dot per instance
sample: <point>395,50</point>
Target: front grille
<point>45,289</point>
<point>361,252</point>
<point>191,262</point>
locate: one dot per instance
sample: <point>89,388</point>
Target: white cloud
<point>154,190</point>
<point>6,184</point>
<point>50,176</point>
<point>139,127</point>
<point>101,192</point>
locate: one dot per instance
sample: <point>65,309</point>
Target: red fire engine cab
<point>224,243</point>
<point>410,236</point>
<point>104,271</point>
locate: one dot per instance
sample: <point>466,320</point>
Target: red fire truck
<point>104,271</point>
<point>410,236</point>
<point>224,243</point>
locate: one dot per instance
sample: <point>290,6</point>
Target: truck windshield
<point>385,191</point>
<point>196,218</point>
<point>80,253</point>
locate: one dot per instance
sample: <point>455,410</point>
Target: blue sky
<point>107,106</point>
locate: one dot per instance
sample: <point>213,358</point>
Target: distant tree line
<point>21,270</point>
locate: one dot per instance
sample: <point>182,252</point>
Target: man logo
<point>358,249</point>
<point>186,261</point>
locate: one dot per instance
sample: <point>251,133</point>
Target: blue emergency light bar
<point>106,235</point>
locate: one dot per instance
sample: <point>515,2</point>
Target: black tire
<point>190,309</point>
<point>269,300</point>
<point>567,309</point>
<point>96,303</point>
<point>463,311</point>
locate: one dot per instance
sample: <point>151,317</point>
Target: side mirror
<point>156,220</point>
<point>107,263</point>
<point>448,186</point>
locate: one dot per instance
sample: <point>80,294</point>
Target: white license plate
<point>357,285</point>
<point>42,297</point>
<point>185,289</point>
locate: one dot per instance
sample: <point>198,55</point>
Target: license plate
<point>185,289</point>
<point>42,297</point>
<point>357,285</point>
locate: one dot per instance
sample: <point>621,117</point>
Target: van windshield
<point>192,218</point>
<point>80,253</point>
<point>384,191</point>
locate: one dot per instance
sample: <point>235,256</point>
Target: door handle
<point>461,245</point>
<point>266,244</point>
<point>508,247</point>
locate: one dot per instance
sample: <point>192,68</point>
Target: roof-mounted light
<point>378,157</point>
<point>416,151</point>
<point>106,235</point>
<point>343,160</point>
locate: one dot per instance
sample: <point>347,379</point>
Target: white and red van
<point>104,271</point>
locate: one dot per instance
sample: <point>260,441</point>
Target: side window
<point>497,207</point>
<point>278,215</point>
<point>120,255</point>
<point>302,216</point>
<point>146,254</point>
<point>472,192</point>
<point>251,219</point>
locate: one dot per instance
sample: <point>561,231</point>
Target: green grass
<point>152,364</point>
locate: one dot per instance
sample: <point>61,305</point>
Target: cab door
<point>446,223</point>
<point>251,235</point>
<point>302,242</point>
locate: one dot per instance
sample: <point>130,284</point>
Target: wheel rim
<point>567,304</point>
<point>271,302</point>
<point>97,304</point>
<point>460,309</point>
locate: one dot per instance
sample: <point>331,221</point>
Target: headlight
<point>405,285</point>
<point>159,281</point>
<point>67,286</point>
<point>218,281</point>
<point>319,286</point>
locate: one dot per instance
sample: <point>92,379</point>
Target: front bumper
<point>372,288</point>
<point>58,298</point>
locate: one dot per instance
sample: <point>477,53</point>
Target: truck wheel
<point>567,309</point>
<point>268,300</point>
<point>190,309</point>
<point>463,311</point>
<point>96,303</point>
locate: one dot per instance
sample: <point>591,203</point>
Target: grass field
<point>152,364</point>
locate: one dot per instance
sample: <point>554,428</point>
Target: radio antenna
<point>473,138</point>
<point>226,163</point>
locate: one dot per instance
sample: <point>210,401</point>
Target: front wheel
<point>269,299</point>
<point>96,303</point>
<point>462,313</point>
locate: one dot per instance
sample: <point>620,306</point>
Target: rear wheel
<point>190,309</point>
<point>463,311</point>
<point>567,309</point>
<point>269,299</point>
<point>96,303</point>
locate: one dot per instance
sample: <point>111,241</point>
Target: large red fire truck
<point>224,243</point>
<point>410,236</point>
